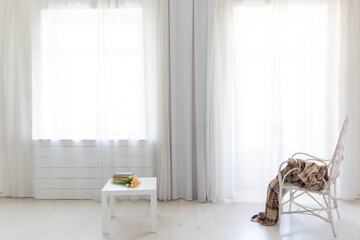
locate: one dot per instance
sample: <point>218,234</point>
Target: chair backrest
<point>339,153</point>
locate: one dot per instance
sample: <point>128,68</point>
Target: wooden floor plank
<point>26,218</point>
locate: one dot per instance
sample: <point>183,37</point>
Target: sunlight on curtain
<point>100,93</point>
<point>92,74</point>
<point>15,99</point>
<point>281,90</point>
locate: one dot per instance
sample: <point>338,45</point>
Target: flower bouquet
<point>131,181</point>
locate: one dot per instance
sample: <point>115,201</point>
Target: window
<point>281,86</point>
<point>280,57</point>
<point>92,75</point>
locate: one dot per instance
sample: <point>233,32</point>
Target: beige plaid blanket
<point>309,175</point>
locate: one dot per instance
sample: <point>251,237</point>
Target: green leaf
<point>123,181</point>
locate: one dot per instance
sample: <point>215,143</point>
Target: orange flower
<point>127,185</point>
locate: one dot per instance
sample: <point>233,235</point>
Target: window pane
<point>91,75</point>
<point>280,85</point>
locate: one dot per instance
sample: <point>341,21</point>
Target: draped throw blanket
<point>308,175</point>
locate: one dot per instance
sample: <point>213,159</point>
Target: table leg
<point>153,212</point>
<point>104,213</point>
<point>112,206</point>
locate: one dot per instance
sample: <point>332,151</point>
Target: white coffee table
<point>147,186</point>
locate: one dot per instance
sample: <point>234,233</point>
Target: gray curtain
<point>191,26</point>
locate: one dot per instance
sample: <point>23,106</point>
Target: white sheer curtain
<point>96,77</point>
<point>274,90</point>
<point>101,74</point>
<point>91,78</point>
<point>15,99</point>
<point>161,133</point>
<point>349,96</point>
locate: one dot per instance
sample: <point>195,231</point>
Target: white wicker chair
<point>327,193</point>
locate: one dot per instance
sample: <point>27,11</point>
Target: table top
<point>147,184</point>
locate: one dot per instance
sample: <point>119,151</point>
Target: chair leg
<point>291,199</point>
<point>335,202</point>
<point>330,216</point>
<point>280,203</point>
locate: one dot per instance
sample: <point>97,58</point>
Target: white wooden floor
<point>81,219</point>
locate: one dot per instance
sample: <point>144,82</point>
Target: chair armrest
<point>279,173</point>
<point>282,180</point>
<point>313,158</point>
<point>319,161</point>
<point>309,155</point>
<point>280,167</point>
